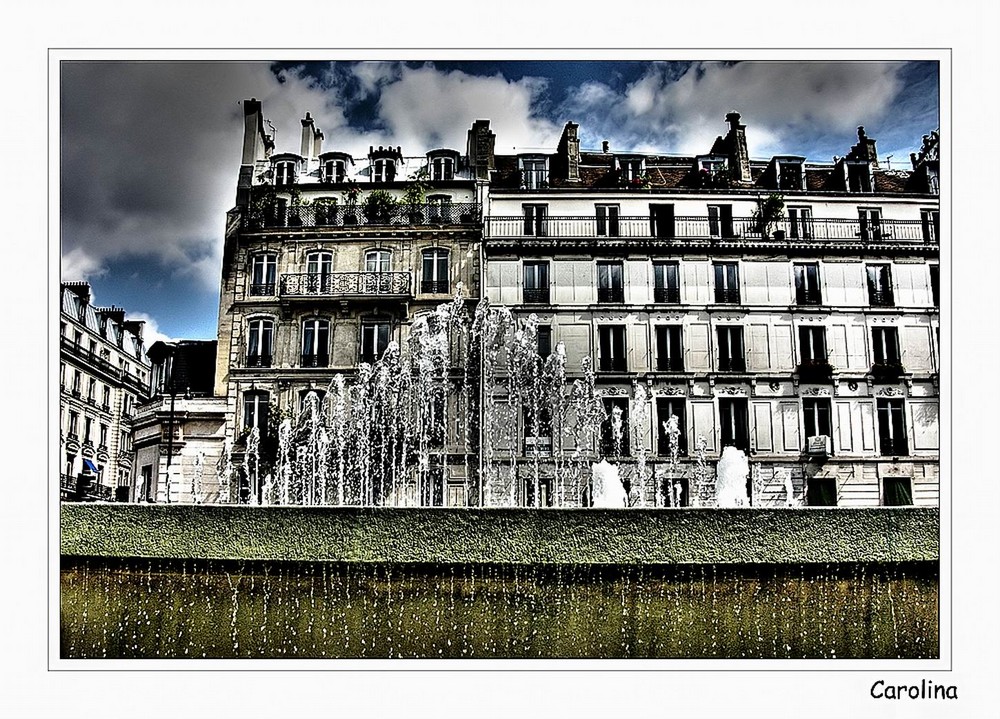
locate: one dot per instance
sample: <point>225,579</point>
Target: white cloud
<point>150,330</point>
<point>79,266</point>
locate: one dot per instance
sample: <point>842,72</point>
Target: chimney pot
<point>605,146</point>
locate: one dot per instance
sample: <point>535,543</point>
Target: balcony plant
<point>770,211</point>
<point>378,207</point>
<point>325,210</point>
<point>815,370</point>
<point>414,197</point>
<point>351,195</point>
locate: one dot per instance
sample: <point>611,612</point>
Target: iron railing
<point>811,296</point>
<point>669,364</point>
<point>345,283</point>
<point>705,228</point>
<point>258,360</point>
<point>315,360</point>
<point>278,216</point>
<point>610,295</point>
<point>435,287</point>
<point>265,289</point>
<point>881,298</point>
<point>732,364</point>
<point>727,296</point>
<point>536,296</point>
<point>667,295</point>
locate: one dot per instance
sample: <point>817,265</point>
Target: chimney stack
<point>480,149</point>
<point>569,151</point>
<point>309,132</point>
<point>739,156</point>
<point>605,147</point>
<point>80,289</point>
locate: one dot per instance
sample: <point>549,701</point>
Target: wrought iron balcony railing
<point>258,360</point>
<point>667,295</point>
<point>315,360</point>
<point>536,296</point>
<point>881,298</point>
<point>725,296</point>
<point>669,364</point>
<point>732,364</point>
<point>712,229</point>
<point>265,289</point>
<point>610,295</point>
<point>345,283</point>
<point>278,216</point>
<point>893,447</point>
<point>808,297</point>
<point>435,287</point>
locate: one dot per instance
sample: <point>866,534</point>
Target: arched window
<point>319,266</point>
<point>384,170</point>
<point>262,274</point>
<point>284,173</point>
<point>442,168</point>
<point>260,342</point>
<point>334,170</point>
<point>378,261</point>
<point>435,271</point>
<point>255,404</point>
<point>315,343</point>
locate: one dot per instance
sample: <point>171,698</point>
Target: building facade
<point>480,328</point>
<point>103,374</point>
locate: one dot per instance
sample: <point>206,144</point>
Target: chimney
<point>254,148</point>
<point>308,137</point>
<point>318,143</point>
<point>135,327</point>
<point>569,151</point>
<point>605,147</point>
<point>112,313</point>
<point>864,151</point>
<point>80,289</point>
<point>479,149</point>
<point>739,157</point>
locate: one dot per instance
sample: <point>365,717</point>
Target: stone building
<point>179,429</point>
<point>784,307</point>
<point>478,328</point>
<point>330,261</point>
<point>103,373</point>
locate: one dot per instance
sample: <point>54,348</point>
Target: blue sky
<point>150,150</point>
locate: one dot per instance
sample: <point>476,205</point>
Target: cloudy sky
<point>150,150</point>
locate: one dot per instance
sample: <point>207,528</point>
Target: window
<point>661,221</point>
<point>727,283</point>
<point>800,223</point>
<point>631,169</point>
<point>935,271</point>
<point>334,170</point>
<point>712,165</point>
<point>821,492</point>
<point>77,380</point>
<point>870,221</point>
<point>284,173</point>
<point>378,261</point>
<point>88,425</point>
<point>70,461</point>
<point>611,345</point>
<point>891,427</point>
<point>103,436</point>
<point>262,274</point>
<point>666,282</point>
<point>669,353</point>
<point>720,221</point>
<point>614,428</point>
<point>437,420</point>
<point>319,266</point>
<point>897,492</point>
<point>92,391</point>
<point>610,285</point>
<point>885,346</point>
<point>536,283</point>
<point>440,208</point>
<point>731,357</point>
<point>543,340</point>
<point>374,340</point>
<point>432,487</point>
<point>607,220</point>
<point>255,404</point>
<point>735,428</point>
<point>665,408</point>
<point>315,343</point>
<point>106,398</point>
<point>128,404</point>
<point>537,430</point>
<point>260,341</point>
<point>535,223</point>
<point>534,174</point>
<point>807,290</point>
<point>442,168</point>
<point>858,177</point>
<point>931,223</point>
<point>384,170</point>
<point>812,344</point>
<point>435,272</point>
<point>544,487</point>
<point>816,417</point>
<point>77,338</point>
<point>880,286</point>
<point>74,424</point>
<point>790,175</point>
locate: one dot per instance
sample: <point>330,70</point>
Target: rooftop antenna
<point>888,164</point>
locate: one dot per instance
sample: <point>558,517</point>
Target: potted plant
<point>815,370</point>
<point>295,213</point>
<point>770,211</point>
<point>378,207</point>
<point>351,195</point>
<point>887,371</point>
<point>414,197</point>
<point>325,210</point>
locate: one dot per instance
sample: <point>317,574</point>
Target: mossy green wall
<point>501,536</point>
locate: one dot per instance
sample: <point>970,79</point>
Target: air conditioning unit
<point>818,445</point>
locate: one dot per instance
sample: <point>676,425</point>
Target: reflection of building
<point>180,427</point>
<point>788,308</point>
<point>103,371</point>
<point>328,259</point>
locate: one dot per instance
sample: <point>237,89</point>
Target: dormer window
<point>631,169</point>
<point>859,178</point>
<point>384,170</point>
<point>334,170</point>
<point>442,168</point>
<point>284,173</point>
<point>713,165</point>
<point>790,173</point>
<point>534,172</point>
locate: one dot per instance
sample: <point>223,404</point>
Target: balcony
<point>808,297</point>
<point>536,296</point>
<point>724,296</point>
<point>258,360</point>
<point>742,229</point>
<point>667,295</point>
<point>881,298</point>
<point>815,371</point>
<point>278,216</point>
<point>669,364</point>
<point>345,284</point>
<point>315,360</point>
<point>887,371</point>
<point>610,295</point>
<point>435,287</point>
<point>732,364</point>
